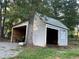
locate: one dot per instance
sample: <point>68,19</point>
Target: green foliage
<point>64,10</point>
<point>69,9</point>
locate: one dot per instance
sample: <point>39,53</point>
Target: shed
<point>40,30</point>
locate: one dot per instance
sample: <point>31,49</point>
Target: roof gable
<point>47,20</point>
<point>51,21</point>
<point>55,22</point>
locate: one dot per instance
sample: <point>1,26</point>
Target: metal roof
<point>55,22</point>
<point>49,20</point>
<point>52,21</point>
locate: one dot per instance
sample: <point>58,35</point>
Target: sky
<point>78,1</point>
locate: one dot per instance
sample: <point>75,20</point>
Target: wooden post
<point>12,35</point>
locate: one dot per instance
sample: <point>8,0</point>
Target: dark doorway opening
<point>52,36</point>
<point>19,34</point>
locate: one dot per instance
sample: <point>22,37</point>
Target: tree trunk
<point>2,29</point>
<point>29,40</point>
<point>0,19</point>
<point>0,26</point>
<point>3,19</point>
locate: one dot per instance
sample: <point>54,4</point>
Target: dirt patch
<point>9,48</point>
<point>76,58</point>
<point>57,57</point>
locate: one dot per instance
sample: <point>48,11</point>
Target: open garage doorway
<point>52,37</point>
<point>19,34</point>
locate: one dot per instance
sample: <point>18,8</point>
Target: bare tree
<point>0,16</point>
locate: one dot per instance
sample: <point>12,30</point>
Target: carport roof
<point>55,22</point>
<point>52,21</point>
<point>48,20</point>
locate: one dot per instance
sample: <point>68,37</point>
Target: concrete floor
<point>8,49</point>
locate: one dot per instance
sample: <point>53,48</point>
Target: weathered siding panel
<point>39,32</point>
<point>63,41</point>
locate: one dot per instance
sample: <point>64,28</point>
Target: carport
<point>19,32</point>
<point>52,36</point>
<point>40,31</point>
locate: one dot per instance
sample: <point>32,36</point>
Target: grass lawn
<point>49,53</point>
